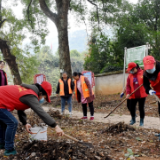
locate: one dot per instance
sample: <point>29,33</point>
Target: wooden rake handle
<point>72,138</point>
<point>157,98</point>
<point>123,101</point>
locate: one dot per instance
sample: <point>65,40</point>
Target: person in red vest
<point>3,75</point>
<point>65,88</point>
<point>84,94</point>
<point>134,80</point>
<point>151,78</point>
<point>22,97</point>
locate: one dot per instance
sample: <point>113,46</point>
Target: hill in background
<point>78,40</point>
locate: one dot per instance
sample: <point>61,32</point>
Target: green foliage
<point>35,21</point>
<point>148,12</point>
<point>14,35</point>
<point>102,55</point>
<point>139,139</point>
<point>49,64</point>
<point>111,68</point>
<point>130,153</point>
<point>75,53</point>
<point>140,25</point>
<point>130,34</point>
<point>135,26</point>
<point>76,61</point>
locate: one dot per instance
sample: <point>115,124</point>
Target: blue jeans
<point>69,101</point>
<point>8,127</point>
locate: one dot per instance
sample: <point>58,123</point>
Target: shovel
<point>157,98</point>
<point>89,145</point>
<point>123,101</point>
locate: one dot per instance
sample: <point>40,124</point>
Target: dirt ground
<point>112,138</point>
<point>105,104</point>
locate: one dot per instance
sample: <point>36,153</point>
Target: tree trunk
<point>11,61</point>
<point>62,27</point>
<point>61,21</point>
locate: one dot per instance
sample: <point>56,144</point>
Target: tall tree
<point>57,11</point>
<point>148,11</point>
<point>61,21</point>
<point>12,33</point>
<point>7,55</point>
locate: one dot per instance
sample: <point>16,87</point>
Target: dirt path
<point>149,122</point>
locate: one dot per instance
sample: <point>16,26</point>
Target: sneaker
<point>70,114</point>
<point>133,121</point>
<point>2,146</point>
<point>91,118</point>
<point>141,122</point>
<point>10,152</point>
<point>62,113</point>
<point>84,118</point>
<point>157,135</point>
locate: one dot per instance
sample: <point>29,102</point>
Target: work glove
<point>122,94</point>
<point>151,92</point>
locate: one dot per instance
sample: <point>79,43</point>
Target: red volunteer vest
<point>156,85</point>
<point>10,95</point>
<point>140,81</point>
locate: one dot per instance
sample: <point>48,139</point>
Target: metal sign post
<point>124,68</point>
<point>147,47</point>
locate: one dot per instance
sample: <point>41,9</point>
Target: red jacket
<point>10,95</point>
<point>133,82</point>
<point>156,85</point>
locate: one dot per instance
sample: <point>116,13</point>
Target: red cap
<point>148,62</point>
<point>48,88</point>
<point>131,65</point>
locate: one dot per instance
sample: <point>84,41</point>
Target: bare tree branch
<point>97,11</point>
<point>48,12</point>
<point>28,13</point>
<point>70,5</point>
<point>2,22</point>
<point>0,10</point>
<point>103,3</point>
<point>86,28</point>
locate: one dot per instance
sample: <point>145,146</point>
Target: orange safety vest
<point>61,84</point>
<point>140,81</point>
<point>85,89</point>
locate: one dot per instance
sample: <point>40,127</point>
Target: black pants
<point>159,108</point>
<point>91,108</point>
<point>133,103</point>
<point>128,104</point>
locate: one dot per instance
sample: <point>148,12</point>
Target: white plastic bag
<point>38,133</point>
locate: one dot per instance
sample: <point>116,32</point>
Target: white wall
<point>109,84</point>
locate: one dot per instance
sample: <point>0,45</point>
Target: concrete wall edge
<point>108,73</point>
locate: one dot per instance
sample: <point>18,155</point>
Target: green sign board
<point>136,55</point>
